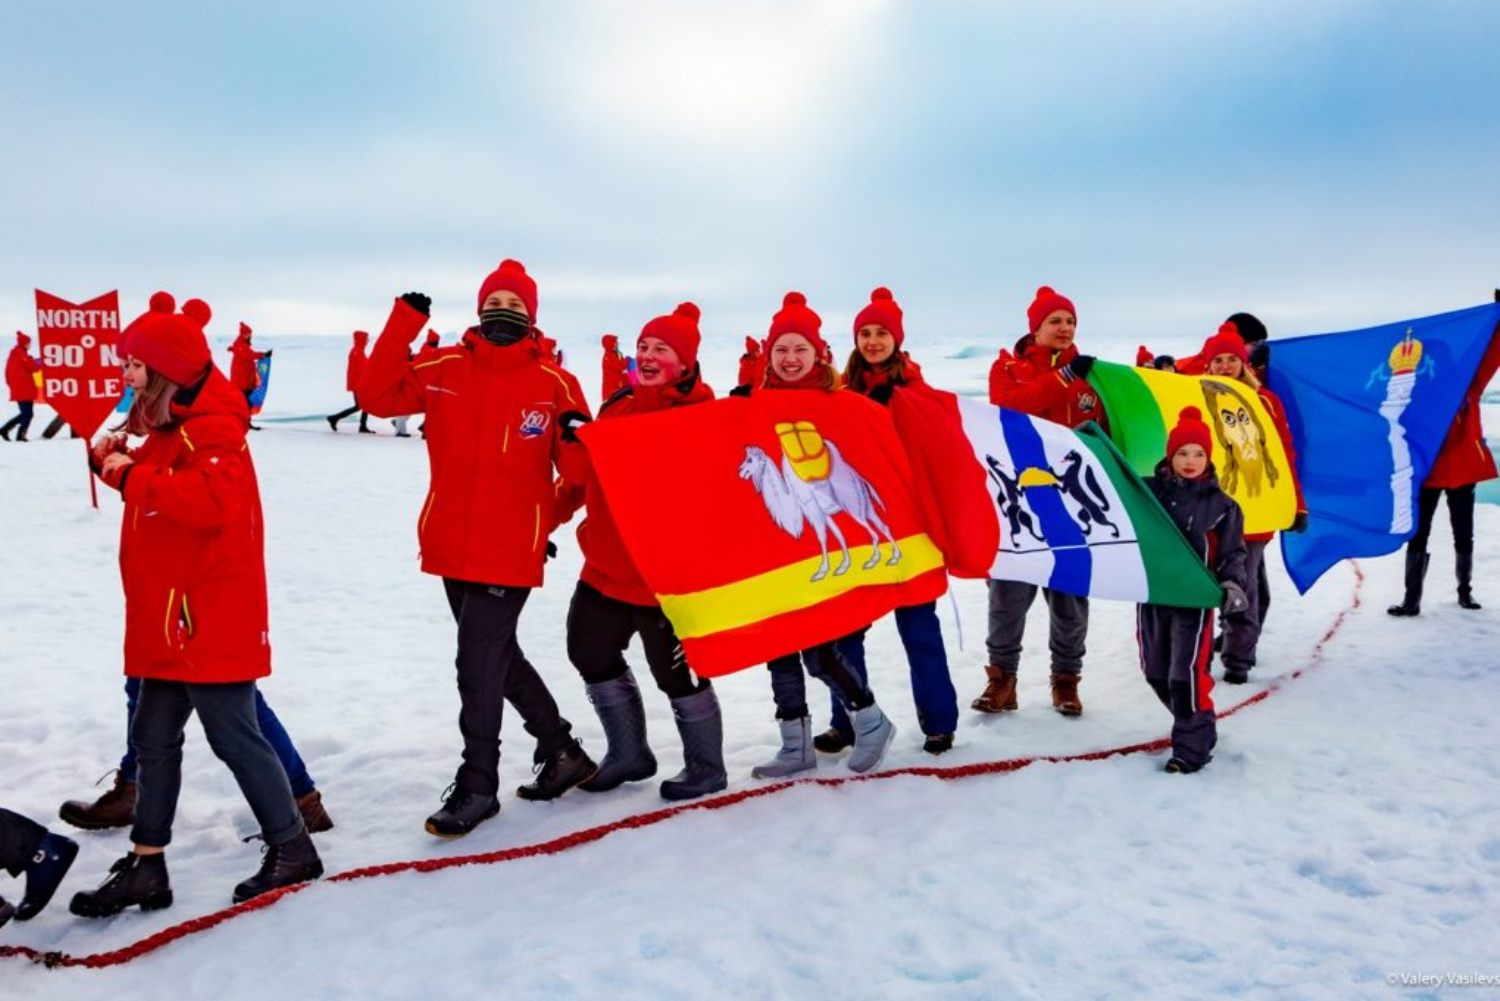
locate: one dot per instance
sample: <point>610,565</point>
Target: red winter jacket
<point>1277,411</point>
<point>492,443</point>
<point>192,556</point>
<point>1465,458</point>
<point>20,369</point>
<point>607,565</point>
<point>614,373</point>
<point>356,368</point>
<point>1029,380</point>
<point>242,373</point>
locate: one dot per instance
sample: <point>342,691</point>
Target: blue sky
<point>1323,164</point>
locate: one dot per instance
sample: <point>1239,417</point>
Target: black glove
<point>882,393</point>
<point>570,422</point>
<point>1299,523</point>
<point>551,550</point>
<point>743,391</point>
<point>1235,601</point>
<point>1078,368</point>
<point>270,352</point>
<point>416,300</point>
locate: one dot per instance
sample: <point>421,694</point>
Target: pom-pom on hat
<point>198,311</point>
<point>795,318</point>
<point>679,329</point>
<point>883,310</point>
<point>361,337</point>
<point>1226,342</point>
<point>168,342</point>
<point>1143,357</point>
<point>1190,430</point>
<point>752,346</point>
<point>1047,302</point>
<point>510,276</point>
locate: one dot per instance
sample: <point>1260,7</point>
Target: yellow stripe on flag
<point>791,588</point>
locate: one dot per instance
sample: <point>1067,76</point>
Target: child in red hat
<point>1177,643</point>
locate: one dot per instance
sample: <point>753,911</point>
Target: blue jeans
<point>931,687</point>
<point>270,728</point>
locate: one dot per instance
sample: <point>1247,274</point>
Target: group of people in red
<point>507,469</point>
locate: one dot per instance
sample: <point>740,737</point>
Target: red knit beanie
<point>679,329</point>
<point>795,318</point>
<point>168,342</point>
<point>1047,302</point>
<point>245,330</point>
<point>361,337</point>
<point>1226,342</point>
<point>752,346</point>
<point>883,310</point>
<point>510,276</point>
<point>22,338</point>
<point>1190,430</point>
<point>1143,357</point>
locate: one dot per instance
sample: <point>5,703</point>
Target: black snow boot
<point>294,861</point>
<point>1176,766</point>
<point>702,728</point>
<point>54,857</point>
<point>1464,566</point>
<point>833,740</point>
<point>462,812</point>
<point>133,880</point>
<point>628,757</point>
<point>558,772</point>
<point>1416,570</point>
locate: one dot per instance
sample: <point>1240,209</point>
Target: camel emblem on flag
<point>809,486</point>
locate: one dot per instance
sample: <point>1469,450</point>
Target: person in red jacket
<point>1228,356</point>
<point>1045,377</point>
<point>612,603</point>
<point>614,368</point>
<point>20,379</point>
<point>1463,462</point>
<point>196,630</point>
<point>353,372</point>
<point>243,373</point>
<point>500,419</point>
<point>750,373</point>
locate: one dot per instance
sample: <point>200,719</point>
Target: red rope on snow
<point>649,819</point>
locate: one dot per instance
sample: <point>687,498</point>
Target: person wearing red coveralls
<point>353,371</point>
<point>1046,377</point>
<point>20,379</point>
<point>243,374</point>
<point>496,416</point>
<point>1464,461</point>
<point>614,368</point>
<point>749,373</point>
<point>193,566</point>
<point>612,603</point>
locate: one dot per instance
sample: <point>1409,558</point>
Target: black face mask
<point>503,326</point>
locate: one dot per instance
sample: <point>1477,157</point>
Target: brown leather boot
<point>116,808</point>
<point>314,817</point>
<point>1065,695</point>
<point>999,695</point>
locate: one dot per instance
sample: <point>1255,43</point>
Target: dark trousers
<point>491,671</point>
<point>824,662</point>
<point>931,685</point>
<point>55,426</point>
<point>1068,615</point>
<point>270,728</point>
<point>1460,516</point>
<point>599,630</point>
<point>21,421</point>
<point>1176,647</point>
<point>364,418</point>
<point>19,837</point>
<point>1242,632</point>
<point>227,713</point>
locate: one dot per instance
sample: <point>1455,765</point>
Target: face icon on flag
<point>1242,437</point>
<point>811,486</point>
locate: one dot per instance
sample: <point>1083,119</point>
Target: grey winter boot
<point>796,754</point>
<point>873,733</point>
<point>1416,571</point>
<point>628,757</point>
<point>702,728</point>
<point>1464,566</point>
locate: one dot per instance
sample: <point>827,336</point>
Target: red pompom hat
<point>1226,342</point>
<point>883,310</point>
<point>1047,302</point>
<point>679,329</point>
<point>795,318</point>
<point>23,338</point>
<point>197,310</point>
<point>510,276</point>
<point>168,342</point>
<point>1190,430</point>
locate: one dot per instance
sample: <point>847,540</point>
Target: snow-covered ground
<point>1347,834</point>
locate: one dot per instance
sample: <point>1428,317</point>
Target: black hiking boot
<point>462,812</point>
<point>1235,676</point>
<point>53,858</point>
<point>1176,766</point>
<point>1416,571</point>
<point>1463,565</point>
<point>291,862</point>
<point>938,743</point>
<point>133,880</point>
<point>558,772</point>
<point>833,740</point>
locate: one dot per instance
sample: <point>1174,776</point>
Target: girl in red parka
<point>1227,355</point>
<point>1464,462</point>
<point>795,353</point>
<point>1045,377</point>
<point>193,566</point>
<point>499,420</point>
<point>353,372</point>
<point>612,603</point>
<point>20,379</point>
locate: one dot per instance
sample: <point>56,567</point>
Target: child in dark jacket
<point>1177,643</point>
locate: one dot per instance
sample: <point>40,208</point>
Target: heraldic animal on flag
<point>791,520</point>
